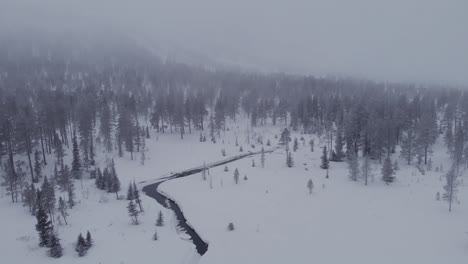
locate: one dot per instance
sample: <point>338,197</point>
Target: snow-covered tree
<point>62,208</point>
<point>37,166</point>
<point>160,219</point>
<point>43,226</point>
<point>388,174</point>
<point>324,158</point>
<point>80,246</point>
<point>56,249</point>
<point>451,186</point>
<point>133,212</point>
<point>76,163</point>
<point>353,166</point>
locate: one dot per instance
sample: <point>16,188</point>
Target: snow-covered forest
<point>261,167</point>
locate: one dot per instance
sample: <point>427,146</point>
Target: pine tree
<point>366,169</point>
<point>339,154</point>
<point>56,249</point>
<point>295,145</point>
<point>133,212</point>
<point>59,151</point>
<point>136,195</point>
<point>311,143</point>
<point>285,137</point>
<point>99,180</point>
<point>130,192</point>
<point>30,198</point>
<point>71,193</point>
<point>37,166</point>
<point>62,208</point>
<point>80,246</point>
<point>89,241</point>
<point>160,220</point>
<point>408,147</point>
<point>388,175</point>
<point>353,165</point>
<point>325,163</point>
<point>451,186</point>
<point>48,197</point>
<point>76,163</point>
<point>155,235</point>
<point>236,176</point>
<point>253,163</point>
<point>114,183</point>
<point>43,226</point>
<point>289,160</point>
<point>310,186</point>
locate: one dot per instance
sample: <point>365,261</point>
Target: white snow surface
<point>275,218</point>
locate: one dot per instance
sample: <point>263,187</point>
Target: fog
<point>399,40</point>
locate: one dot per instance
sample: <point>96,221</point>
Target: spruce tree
<point>89,240</point>
<point>289,160</point>
<point>43,226</point>
<point>325,163</point>
<point>62,208</point>
<point>353,166</point>
<point>339,154</point>
<point>48,197</point>
<point>160,220</point>
<point>451,186</point>
<point>71,193</point>
<point>133,212</point>
<point>80,246</point>
<point>136,195</point>
<point>37,166</point>
<point>130,193</point>
<point>76,163</point>
<point>388,174</point>
<point>56,249</point>
<point>285,137</point>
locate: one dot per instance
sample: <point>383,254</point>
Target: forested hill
<point>112,92</point>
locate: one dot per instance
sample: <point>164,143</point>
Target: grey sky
<point>415,40</point>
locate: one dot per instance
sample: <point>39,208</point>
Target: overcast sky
<point>402,40</point>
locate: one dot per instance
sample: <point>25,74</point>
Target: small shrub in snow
<point>268,143</point>
<point>245,177</point>
<point>438,196</point>
<point>226,168</point>
<point>230,227</point>
<point>253,163</point>
<point>155,236</point>
<point>223,152</point>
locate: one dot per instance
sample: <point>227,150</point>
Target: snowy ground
<point>276,220</point>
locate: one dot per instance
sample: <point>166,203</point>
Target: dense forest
<point>55,94</point>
